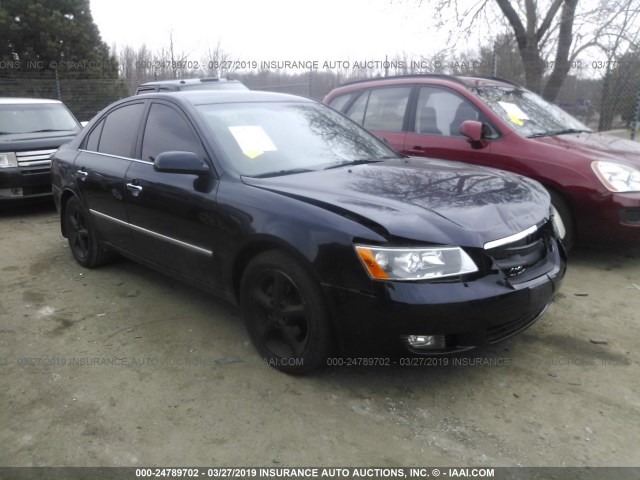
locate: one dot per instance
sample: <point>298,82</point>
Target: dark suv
<point>593,178</point>
<point>190,84</point>
<point>31,130</point>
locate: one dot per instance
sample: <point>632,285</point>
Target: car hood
<point>598,146</point>
<point>40,141</point>
<point>424,200</point>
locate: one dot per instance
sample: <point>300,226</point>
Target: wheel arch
<point>64,199</point>
<point>256,247</point>
<point>566,199</point>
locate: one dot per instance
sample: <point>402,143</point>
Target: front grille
<point>523,255</point>
<point>501,332</point>
<point>34,161</point>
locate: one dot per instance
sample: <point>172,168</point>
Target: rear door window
<point>386,108</point>
<point>357,109</point>
<point>120,131</point>
<point>340,102</point>
<point>94,137</point>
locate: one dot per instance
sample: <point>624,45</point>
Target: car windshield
<point>278,138</point>
<point>527,113</point>
<point>36,117</point>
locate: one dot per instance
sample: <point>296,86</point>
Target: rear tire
<point>83,241</point>
<point>285,313</point>
<point>563,220</point>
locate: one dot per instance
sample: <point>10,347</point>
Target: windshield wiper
<point>551,133</point>
<point>290,171</point>
<point>357,162</point>
<point>48,130</point>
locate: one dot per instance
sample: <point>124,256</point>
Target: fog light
<point>11,192</point>
<point>426,342</point>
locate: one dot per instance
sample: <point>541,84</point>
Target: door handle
<point>134,189</point>
<point>82,173</point>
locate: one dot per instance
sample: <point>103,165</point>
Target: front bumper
<point>613,218</point>
<point>467,314</point>
<point>16,185</point>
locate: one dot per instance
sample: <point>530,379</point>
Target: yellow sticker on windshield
<point>253,140</point>
<point>514,113</point>
<point>515,119</point>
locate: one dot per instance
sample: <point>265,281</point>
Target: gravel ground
<point>126,367</point>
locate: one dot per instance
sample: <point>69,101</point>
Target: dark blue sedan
<point>326,238</point>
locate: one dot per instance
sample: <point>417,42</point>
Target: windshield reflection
<point>440,186</point>
<point>527,113</point>
<point>280,138</point>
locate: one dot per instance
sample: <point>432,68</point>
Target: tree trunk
<point>562,64</point>
<point>533,68</point>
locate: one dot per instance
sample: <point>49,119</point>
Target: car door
<point>173,215</point>
<point>104,158</point>
<point>383,111</point>
<point>434,127</point>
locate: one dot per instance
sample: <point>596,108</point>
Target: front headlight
<point>8,159</point>
<point>617,177</point>
<point>415,263</point>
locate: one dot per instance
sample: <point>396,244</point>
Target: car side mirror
<point>472,129</point>
<point>180,162</point>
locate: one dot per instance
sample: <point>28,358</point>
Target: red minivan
<point>593,178</point>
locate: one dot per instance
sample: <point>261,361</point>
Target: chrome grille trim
<point>35,158</point>
<point>512,238</point>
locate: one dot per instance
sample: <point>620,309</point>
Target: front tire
<point>285,313</point>
<point>83,241</point>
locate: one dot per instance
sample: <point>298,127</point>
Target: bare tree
<point>218,63</point>
<point>168,63</point>
<point>550,34</point>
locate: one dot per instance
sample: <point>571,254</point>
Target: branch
<point>546,23</point>
<point>514,21</point>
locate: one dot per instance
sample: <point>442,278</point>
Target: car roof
<point>205,97</point>
<point>432,79</point>
<point>22,101</point>
<point>187,81</point>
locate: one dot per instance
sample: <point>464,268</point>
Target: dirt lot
<point>127,367</point>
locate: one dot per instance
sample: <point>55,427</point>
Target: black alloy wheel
<point>285,313</point>
<point>84,244</point>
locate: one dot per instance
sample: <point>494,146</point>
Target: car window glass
<point>18,118</point>
<point>120,130</point>
<point>356,111</point>
<point>166,130</point>
<point>339,102</point>
<point>441,112</point>
<point>386,107</point>
<point>94,137</point>
<point>526,112</point>
<point>268,138</point>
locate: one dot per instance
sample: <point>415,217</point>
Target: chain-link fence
<point>83,96</point>
<point>605,95</point>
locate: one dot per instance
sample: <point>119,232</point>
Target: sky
<point>274,30</point>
